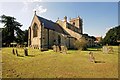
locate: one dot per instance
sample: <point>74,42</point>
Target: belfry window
<point>35,30</point>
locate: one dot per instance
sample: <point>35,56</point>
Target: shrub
<point>80,44</point>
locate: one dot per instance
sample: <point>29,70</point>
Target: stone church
<point>43,33</point>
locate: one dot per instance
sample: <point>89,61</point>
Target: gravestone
<point>17,53</point>
<point>110,50</point>
<point>91,57</point>
<point>54,48</point>
<point>105,49</point>
<point>57,49</point>
<point>26,51</point>
<point>63,49</point>
<point>13,51</point>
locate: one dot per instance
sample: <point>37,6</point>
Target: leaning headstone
<point>13,51</point>
<point>26,51</point>
<point>91,57</point>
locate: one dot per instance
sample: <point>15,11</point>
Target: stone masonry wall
<point>35,41</point>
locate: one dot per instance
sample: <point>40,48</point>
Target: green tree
<point>22,39</point>
<point>81,44</point>
<point>112,36</point>
<point>11,29</point>
<point>25,36</point>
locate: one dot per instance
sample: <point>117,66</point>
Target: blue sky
<point>97,17</point>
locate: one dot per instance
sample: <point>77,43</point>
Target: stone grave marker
<point>105,49</point>
<point>26,51</point>
<point>13,51</point>
<point>91,57</point>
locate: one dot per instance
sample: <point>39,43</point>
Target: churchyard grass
<point>49,64</point>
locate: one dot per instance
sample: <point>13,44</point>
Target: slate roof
<point>51,25</point>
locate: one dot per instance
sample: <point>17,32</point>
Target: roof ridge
<point>49,24</point>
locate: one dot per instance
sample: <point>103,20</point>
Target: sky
<point>98,17</point>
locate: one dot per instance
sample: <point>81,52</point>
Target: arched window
<point>35,30</point>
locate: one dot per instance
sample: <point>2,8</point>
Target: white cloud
<point>33,0</point>
<point>36,0</point>
<point>25,7</point>
<point>40,9</point>
<point>29,2</point>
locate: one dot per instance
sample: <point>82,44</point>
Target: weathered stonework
<point>35,41</point>
<point>43,33</point>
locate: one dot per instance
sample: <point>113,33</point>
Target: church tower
<point>77,22</point>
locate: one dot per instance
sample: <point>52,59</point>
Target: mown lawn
<point>49,64</point>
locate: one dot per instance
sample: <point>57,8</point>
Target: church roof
<point>51,25</point>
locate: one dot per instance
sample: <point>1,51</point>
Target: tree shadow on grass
<point>99,61</point>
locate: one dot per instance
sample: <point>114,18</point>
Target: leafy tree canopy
<point>112,36</point>
<point>11,31</point>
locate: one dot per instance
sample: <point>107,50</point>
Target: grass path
<point>49,64</point>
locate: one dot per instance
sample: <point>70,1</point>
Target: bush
<point>81,44</point>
